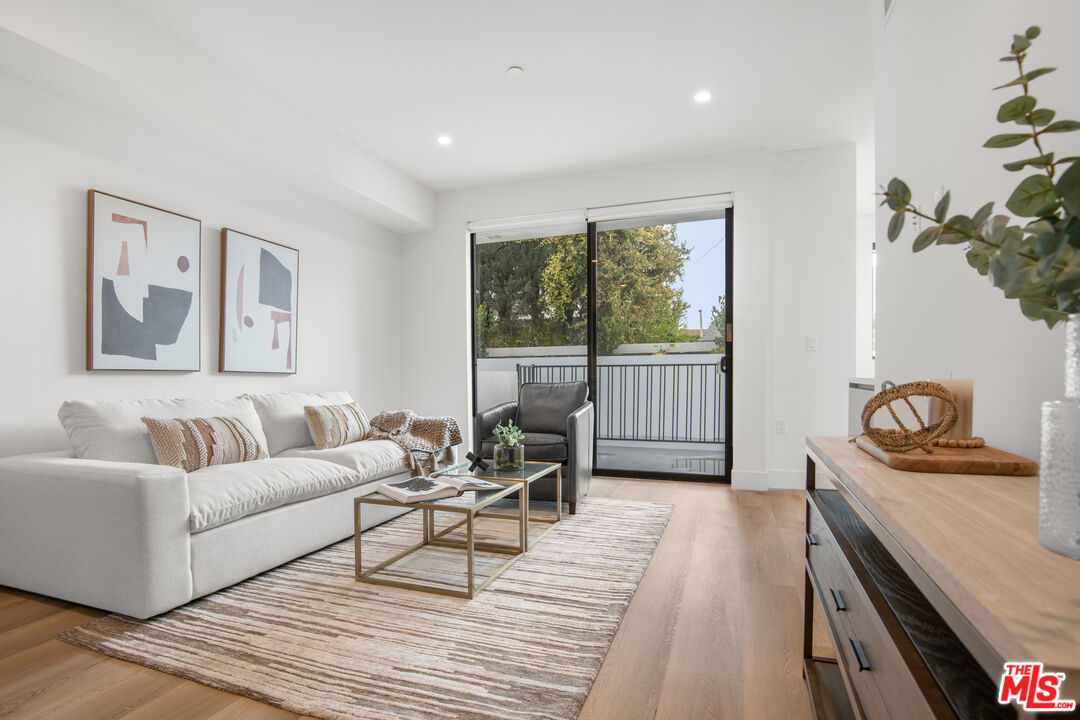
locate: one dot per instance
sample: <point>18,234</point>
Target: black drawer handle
<point>838,599</point>
<point>811,539</point>
<point>860,655</point>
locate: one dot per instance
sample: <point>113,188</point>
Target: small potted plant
<point>509,453</point>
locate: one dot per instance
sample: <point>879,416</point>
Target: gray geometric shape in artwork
<point>275,282</point>
<point>164,312</point>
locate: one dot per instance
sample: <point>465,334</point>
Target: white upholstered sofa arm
<point>104,534</point>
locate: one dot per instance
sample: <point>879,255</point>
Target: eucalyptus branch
<point>1027,116</point>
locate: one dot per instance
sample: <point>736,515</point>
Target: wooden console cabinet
<point>928,584</point>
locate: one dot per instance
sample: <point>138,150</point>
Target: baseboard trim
<point>749,480</point>
<point>787,480</point>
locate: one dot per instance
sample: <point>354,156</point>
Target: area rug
<point>307,638</point>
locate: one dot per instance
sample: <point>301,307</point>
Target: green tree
<point>637,301</point>
<point>508,283</point>
<point>719,321</point>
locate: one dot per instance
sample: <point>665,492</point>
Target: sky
<point>703,273</point>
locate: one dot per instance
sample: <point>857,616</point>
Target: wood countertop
<point>976,538</point>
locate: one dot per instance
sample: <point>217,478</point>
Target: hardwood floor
<point>714,630</point>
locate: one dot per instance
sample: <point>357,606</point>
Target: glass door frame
<point>727,364</point>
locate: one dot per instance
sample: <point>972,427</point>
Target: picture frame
<point>259,296</point>
<point>143,285</point>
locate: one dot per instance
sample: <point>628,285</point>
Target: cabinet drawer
<point>881,679</point>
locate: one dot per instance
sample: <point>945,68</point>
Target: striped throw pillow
<point>194,443</point>
<point>336,425</point>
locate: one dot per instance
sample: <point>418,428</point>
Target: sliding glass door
<point>661,320</point>
<point>641,308</point>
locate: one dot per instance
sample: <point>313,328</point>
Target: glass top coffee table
<point>472,504</point>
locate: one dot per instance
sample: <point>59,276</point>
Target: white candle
<point>963,393</point>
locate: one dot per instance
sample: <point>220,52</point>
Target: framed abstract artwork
<point>142,294</point>
<point>259,282</point>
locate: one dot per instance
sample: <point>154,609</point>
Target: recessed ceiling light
<point>515,70</point>
<point>702,96</point>
<point>444,140</point>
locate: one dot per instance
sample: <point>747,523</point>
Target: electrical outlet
<point>781,426</point>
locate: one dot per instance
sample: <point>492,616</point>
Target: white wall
<point>934,66</point>
<point>813,232</point>
<point>348,322</point>
<point>792,210</point>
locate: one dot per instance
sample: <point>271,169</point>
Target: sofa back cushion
<point>332,426</point>
<point>113,429</point>
<point>283,419</point>
<point>196,443</point>
<point>544,407</point>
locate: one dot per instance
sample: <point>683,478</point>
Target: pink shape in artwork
<point>122,268</point>
<point>118,218</point>
<point>240,300</point>
<point>282,317</point>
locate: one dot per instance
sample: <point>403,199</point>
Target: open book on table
<point>422,489</point>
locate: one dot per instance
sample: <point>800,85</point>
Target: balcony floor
<point>691,460</point>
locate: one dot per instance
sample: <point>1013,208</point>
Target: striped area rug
<point>308,638</point>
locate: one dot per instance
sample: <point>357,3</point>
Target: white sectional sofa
<point>104,525</point>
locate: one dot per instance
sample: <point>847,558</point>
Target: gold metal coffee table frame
<point>515,482</point>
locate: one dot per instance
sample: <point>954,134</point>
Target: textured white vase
<point>1059,471</point>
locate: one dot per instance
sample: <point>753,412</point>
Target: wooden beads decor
<point>901,439</point>
<point>976,442</point>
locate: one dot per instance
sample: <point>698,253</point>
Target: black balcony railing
<point>671,402</point>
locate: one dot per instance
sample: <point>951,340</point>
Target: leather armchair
<point>557,419</point>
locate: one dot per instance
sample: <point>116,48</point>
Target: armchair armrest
<point>111,535</point>
<point>579,448</point>
<point>484,423</point>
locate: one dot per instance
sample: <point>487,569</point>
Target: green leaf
<point>1009,139</point>
<point>1068,189</point>
<point>1061,126</point>
<point>1039,117</point>
<point>1041,161</point>
<point>1032,32</point>
<point>1031,195</point>
<point>942,207</point>
<point>1016,108</point>
<point>1007,58</point>
<point>1072,229</point>
<point>1069,159</point>
<point>898,194</point>
<point>926,238</point>
<point>981,216</point>
<point>998,226</point>
<point>896,225</point>
<point>1027,77</point>
<point>950,237</point>
<point>959,223</point>
<point>1020,43</point>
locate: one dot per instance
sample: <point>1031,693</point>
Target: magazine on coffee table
<point>422,489</point>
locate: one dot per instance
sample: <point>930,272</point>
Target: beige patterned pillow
<point>336,425</point>
<point>193,443</point>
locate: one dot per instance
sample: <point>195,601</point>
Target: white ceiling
<point>607,82</point>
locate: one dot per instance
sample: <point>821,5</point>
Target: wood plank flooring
<point>714,630</point>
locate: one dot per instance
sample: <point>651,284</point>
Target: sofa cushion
<point>113,429</point>
<point>223,493</point>
<point>283,419</point>
<point>194,443</point>
<point>332,426</point>
<point>544,407</point>
<point>370,459</point>
<point>544,447</point>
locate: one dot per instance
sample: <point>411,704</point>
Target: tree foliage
<point>533,292</point>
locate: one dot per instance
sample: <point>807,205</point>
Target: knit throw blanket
<point>432,438</point>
